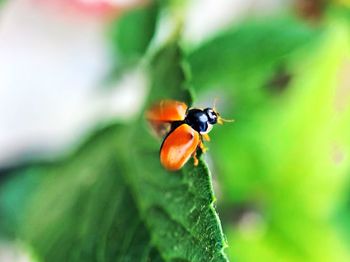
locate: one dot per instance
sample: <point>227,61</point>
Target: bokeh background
<point>280,68</point>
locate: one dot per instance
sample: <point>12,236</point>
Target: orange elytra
<point>184,130</point>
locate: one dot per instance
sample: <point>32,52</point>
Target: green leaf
<point>177,207</point>
<point>112,200</point>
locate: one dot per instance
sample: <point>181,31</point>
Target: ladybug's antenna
<point>221,120</point>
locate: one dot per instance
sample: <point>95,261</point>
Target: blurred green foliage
<point>282,168</point>
<point>132,33</point>
<point>80,207</point>
<point>241,60</point>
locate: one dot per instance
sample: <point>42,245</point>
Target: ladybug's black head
<point>212,115</point>
<point>201,120</point>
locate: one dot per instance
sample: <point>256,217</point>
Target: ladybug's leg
<point>206,137</point>
<point>195,159</point>
<point>202,147</point>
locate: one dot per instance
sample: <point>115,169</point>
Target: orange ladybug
<point>184,130</point>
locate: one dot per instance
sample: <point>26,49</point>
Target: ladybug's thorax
<point>199,120</point>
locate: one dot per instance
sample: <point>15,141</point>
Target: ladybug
<point>184,130</point>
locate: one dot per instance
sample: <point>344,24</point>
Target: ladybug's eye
<point>212,116</point>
